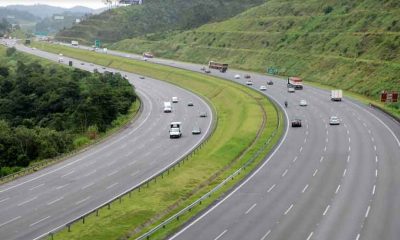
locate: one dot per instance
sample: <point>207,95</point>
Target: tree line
<point>44,108</point>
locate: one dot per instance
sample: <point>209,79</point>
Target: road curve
<point>36,204</point>
<point>324,182</point>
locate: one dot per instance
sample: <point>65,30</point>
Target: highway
<point>323,182</point>
<point>36,204</point>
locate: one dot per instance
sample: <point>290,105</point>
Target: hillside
<point>16,16</point>
<point>44,11</point>
<point>354,45</point>
<point>152,17</point>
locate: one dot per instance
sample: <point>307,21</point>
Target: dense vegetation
<point>354,45</point>
<point>152,17</point>
<point>45,109</point>
<point>5,27</point>
<point>51,25</point>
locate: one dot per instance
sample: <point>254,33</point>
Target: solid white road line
<point>326,210</point>
<point>337,189</point>
<point>220,235</point>
<point>38,186</point>
<point>305,188</point>
<point>41,220</point>
<point>309,236</point>
<point>266,235</point>
<point>54,201</point>
<point>27,201</point>
<point>83,200</point>
<point>288,210</point>
<point>284,173</point>
<point>9,221</point>
<point>270,189</point>
<point>251,208</point>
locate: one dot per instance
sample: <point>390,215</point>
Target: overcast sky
<point>59,3</point>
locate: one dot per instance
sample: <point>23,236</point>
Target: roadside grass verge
<point>246,119</point>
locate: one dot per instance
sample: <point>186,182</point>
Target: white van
<point>174,99</point>
<point>167,107</point>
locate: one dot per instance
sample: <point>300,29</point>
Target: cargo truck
<point>295,82</point>
<point>336,95</point>
<point>222,67</point>
<point>74,43</point>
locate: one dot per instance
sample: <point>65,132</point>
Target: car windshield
<point>175,130</point>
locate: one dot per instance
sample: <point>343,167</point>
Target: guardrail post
<point>130,193</point>
<point>83,220</point>
<point>120,200</point>
<point>51,236</point>
<point>69,227</point>
<point>109,206</point>
<point>97,212</point>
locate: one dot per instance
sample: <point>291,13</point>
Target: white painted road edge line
<point>245,181</point>
<point>220,235</point>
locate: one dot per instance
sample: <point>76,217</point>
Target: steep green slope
<point>354,45</point>
<point>154,16</point>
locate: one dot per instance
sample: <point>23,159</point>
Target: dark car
<point>207,71</point>
<point>196,130</point>
<point>270,82</point>
<point>296,122</point>
<point>203,114</point>
<point>190,104</point>
<point>247,76</point>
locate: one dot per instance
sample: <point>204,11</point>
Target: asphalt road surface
<point>323,182</point>
<point>36,204</point>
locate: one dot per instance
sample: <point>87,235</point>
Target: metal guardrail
<point>139,186</point>
<point>220,185</point>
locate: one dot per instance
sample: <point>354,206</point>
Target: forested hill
<point>353,45</point>
<point>152,17</point>
<point>45,109</point>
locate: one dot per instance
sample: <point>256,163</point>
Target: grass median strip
<point>240,132</point>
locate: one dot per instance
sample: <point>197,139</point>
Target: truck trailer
<point>336,95</point>
<point>222,67</point>
<point>295,82</point>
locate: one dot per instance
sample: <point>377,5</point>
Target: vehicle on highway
<point>203,114</point>
<point>82,63</point>
<point>296,122</point>
<point>190,104</point>
<point>290,89</point>
<point>237,76</point>
<point>295,82</point>
<point>263,88</point>
<point>196,130</point>
<point>103,67</point>
<point>167,107</point>
<point>334,120</point>
<point>174,99</point>
<point>222,67</point>
<point>303,103</point>
<point>286,104</point>
<point>148,55</point>
<point>175,130</point>
<point>203,68</point>
<point>207,71</point>
<point>270,82</point>
<point>247,76</point>
<point>336,95</point>
<point>249,82</point>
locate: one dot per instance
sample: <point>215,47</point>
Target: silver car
<point>333,120</point>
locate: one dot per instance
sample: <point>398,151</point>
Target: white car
<point>174,99</point>
<point>249,82</point>
<point>303,103</point>
<point>237,76</point>
<point>290,89</point>
<point>333,120</point>
<point>263,88</point>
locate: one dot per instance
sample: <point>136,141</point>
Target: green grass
<point>355,47</point>
<point>240,113</point>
